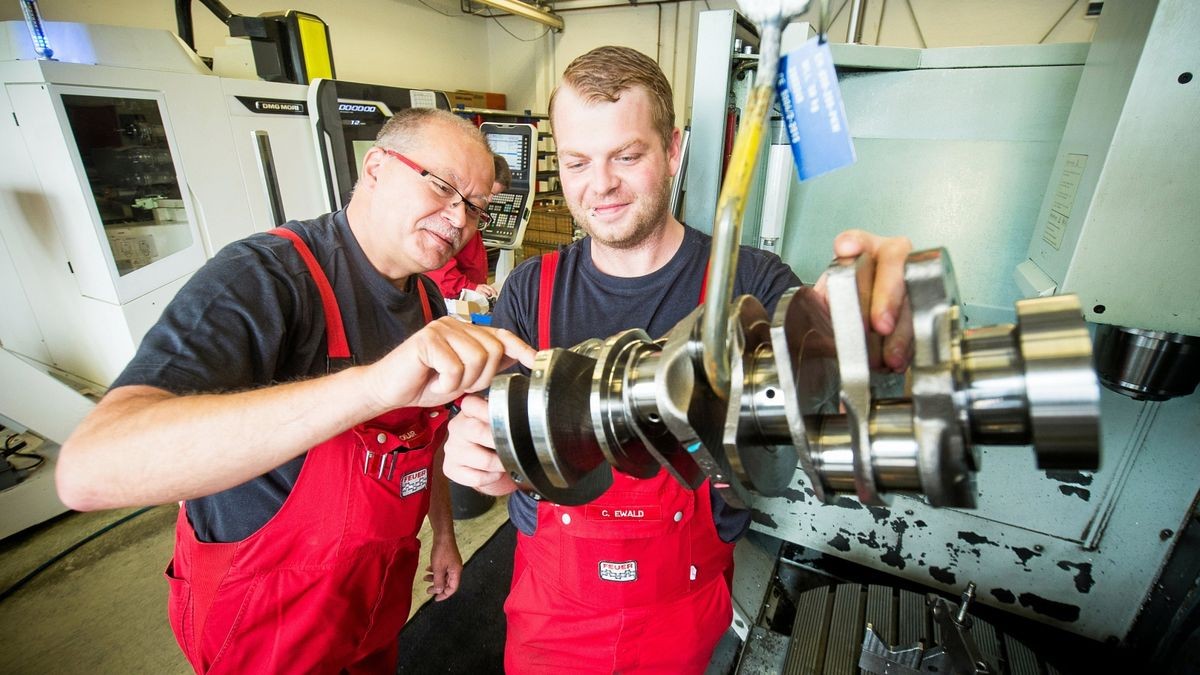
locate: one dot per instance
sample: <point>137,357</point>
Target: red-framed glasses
<point>444,190</point>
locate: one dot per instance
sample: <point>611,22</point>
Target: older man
<point>618,150</point>
<point>291,396</point>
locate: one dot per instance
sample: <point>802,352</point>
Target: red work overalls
<point>325,585</point>
<point>634,582</point>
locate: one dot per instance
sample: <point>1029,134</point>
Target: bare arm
<point>445,561</point>
<point>142,445</point>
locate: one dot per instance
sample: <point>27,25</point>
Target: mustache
<point>450,234</point>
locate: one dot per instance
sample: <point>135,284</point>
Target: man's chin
<point>627,236</point>
<point>434,260</point>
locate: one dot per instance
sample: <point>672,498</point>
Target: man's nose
<point>455,213</point>
<point>604,178</point>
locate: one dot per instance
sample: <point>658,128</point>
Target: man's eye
<point>441,188</point>
<point>628,158</point>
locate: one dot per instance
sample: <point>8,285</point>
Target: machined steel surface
<point>1147,365</point>
<point>847,283</point>
<point>800,398</point>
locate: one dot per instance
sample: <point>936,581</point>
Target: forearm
<point>441,518</point>
<point>143,445</point>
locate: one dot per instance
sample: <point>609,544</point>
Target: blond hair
<point>604,73</point>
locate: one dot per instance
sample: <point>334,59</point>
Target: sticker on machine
<point>618,571</point>
<point>414,482</point>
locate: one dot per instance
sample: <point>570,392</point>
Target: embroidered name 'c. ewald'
<point>618,571</point>
<point>632,512</point>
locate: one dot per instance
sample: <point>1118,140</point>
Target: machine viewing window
<point>128,165</point>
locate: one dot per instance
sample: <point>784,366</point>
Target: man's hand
<point>442,361</point>
<point>889,314</point>
<point>471,458</point>
<point>445,567</point>
<point>487,291</point>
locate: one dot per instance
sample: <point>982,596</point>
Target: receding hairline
<point>411,129</point>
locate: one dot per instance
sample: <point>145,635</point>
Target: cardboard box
<point>467,99</point>
<point>496,101</point>
<point>463,309</point>
<point>477,99</point>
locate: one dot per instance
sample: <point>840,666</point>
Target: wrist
<point>362,379</point>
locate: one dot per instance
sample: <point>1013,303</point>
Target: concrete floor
<point>102,609</point>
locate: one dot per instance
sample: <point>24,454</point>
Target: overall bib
<point>325,585</point>
<point>635,582</point>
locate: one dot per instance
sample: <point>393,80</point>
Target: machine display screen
<point>514,148</point>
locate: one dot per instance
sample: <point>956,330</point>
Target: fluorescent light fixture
<point>527,11</point>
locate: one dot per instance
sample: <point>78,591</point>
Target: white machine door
<point>134,230</point>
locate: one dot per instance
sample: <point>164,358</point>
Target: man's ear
<point>371,166</point>
<point>674,151</point>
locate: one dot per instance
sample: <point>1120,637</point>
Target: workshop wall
<point>392,42</point>
<point>434,44</point>
<point>526,59</point>
<point>528,71</point>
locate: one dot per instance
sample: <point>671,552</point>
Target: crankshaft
<point>799,398</point>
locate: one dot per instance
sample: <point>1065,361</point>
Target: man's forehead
<point>608,125</point>
<point>455,155</point>
<point>633,96</point>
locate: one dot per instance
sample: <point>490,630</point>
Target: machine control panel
<point>517,144</point>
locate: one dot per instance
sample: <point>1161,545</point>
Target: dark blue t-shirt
<point>252,317</point>
<point>591,304</point>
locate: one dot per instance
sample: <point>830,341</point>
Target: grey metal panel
<point>1149,477</point>
<point>764,653</point>
<point>986,104</point>
<point>1021,660</point>
<point>914,620</point>
<point>881,606</point>
<point>907,58</point>
<point>985,639</point>
<point>946,157</point>
<point>845,631</point>
<point>710,95</point>
<point>809,631</point>
<point>917,189</point>
<point>754,559</point>
<point>1127,149</point>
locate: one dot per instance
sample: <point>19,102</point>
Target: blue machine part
<point>33,19</point>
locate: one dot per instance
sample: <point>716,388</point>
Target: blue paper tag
<point>812,110</point>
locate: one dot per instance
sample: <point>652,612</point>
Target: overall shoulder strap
<point>546,297</point>
<point>335,332</point>
<point>425,308</point>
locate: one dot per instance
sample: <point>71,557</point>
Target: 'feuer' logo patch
<point>618,571</point>
<point>414,482</point>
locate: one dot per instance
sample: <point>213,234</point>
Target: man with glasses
<point>291,395</point>
<point>469,268</point>
<point>639,267</point>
